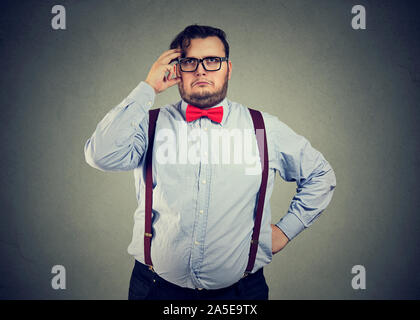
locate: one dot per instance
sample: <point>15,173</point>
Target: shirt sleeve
<point>120,138</point>
<point>296,160</point>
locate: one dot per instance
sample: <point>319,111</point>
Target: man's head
<point>203,88</point>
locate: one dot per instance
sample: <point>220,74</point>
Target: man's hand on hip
<point>279,239</point>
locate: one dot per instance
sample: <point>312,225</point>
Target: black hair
<point>183,39</point>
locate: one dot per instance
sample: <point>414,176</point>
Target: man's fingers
<point>169,52</point>
<point>171,72</point>
<point>169,81</point>
<point>161,72</point>
<point>168,76</point>
<point>169,69</point>
<point>173,81</point>
<point>165,53</point>
<point>168,58</point>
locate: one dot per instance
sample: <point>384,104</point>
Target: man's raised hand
<point>156,77</point>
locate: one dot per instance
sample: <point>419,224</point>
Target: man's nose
<point>200,70</point>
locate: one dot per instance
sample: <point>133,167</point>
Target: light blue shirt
<point>203,204</point>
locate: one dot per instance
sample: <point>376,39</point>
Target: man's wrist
<point>290,225</point>
<point>149,84</point>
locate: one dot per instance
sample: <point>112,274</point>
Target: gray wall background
<point>353,94</point>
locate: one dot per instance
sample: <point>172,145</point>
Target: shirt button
<point>196,243</point>
<point>205,129</point>
<point>149,103</point>
<point>200,289</point>
<point>204,181</point>
<point>201,211</point>
<point>205,154</point>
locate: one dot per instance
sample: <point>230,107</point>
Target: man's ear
<point>230,69</point>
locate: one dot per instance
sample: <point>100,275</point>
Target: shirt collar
<point>225,104</point>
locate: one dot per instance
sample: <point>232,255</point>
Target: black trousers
<point>147,285</point>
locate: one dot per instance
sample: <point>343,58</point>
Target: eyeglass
<point>209,63</point>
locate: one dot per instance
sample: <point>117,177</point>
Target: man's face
<point>203,88</point>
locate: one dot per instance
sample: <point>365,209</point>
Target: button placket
<point>200,217</point>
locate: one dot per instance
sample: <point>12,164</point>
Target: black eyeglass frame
<point>202,62</point>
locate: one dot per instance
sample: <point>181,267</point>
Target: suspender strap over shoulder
<point>263,152</point>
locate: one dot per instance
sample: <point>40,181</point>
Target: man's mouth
<point>200,83</point>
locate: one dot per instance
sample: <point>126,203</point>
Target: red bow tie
<point>193,113</point>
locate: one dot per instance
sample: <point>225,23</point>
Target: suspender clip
<point>147,234</point>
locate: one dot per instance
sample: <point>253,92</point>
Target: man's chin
<point>201,92</point>
<point>203,97</point>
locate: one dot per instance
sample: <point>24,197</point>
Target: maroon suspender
<point>153,114</point>
<point>258,122</point>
